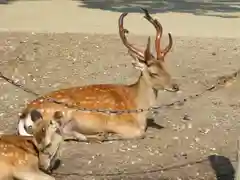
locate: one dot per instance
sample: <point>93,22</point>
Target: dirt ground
<point>202,127</point>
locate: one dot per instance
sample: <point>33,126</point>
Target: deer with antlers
<point>85,126</point>
<point>22,157</point>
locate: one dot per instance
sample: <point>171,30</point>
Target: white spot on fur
<point>59,96</point>
<point>28,121</point>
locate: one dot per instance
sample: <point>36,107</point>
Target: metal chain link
<point>220,81</point>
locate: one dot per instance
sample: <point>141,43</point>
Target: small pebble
<point>186,117</point>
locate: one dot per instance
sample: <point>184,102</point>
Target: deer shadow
<point>151,123</point>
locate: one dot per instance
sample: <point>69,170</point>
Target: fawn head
<point>47,138</point>
<point>46,132</point>
<point>152,68</point>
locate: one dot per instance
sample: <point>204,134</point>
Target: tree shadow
<point>196,7</point>
<point>4,2</point>
<point>222,167</point>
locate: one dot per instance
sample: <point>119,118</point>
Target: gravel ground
<point>205,126</point>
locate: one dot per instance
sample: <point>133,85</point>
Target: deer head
<point>46,131</point>
<point>152,68</point>
<point>47,138</point>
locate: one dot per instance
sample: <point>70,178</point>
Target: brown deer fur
<point>141,94</point>
<point>21,157</point>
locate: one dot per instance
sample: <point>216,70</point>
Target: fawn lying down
<point>22,157</point>
<point>141,94</point>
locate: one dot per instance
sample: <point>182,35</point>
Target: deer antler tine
<point>147,53</point>
<point>155,22</point>
<point>122,33</point>
<point>158,28</point>
<point>169,46</point>
<point>148,42</point>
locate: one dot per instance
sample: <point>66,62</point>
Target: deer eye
<point>154,74</point>
<point>30,129</point>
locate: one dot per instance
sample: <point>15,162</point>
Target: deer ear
<point>58,115</point>
<point>147,52</point>
<point>35,115</point>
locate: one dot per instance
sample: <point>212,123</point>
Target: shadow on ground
<point>2,2</point>
<point>5,2</point>
<point>196,7</point>
<point>222,167</point>
<point>218,8</point>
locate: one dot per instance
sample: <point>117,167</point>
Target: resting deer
<point>141,94</point>
<point>22,157</point>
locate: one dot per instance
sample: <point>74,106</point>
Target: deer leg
<point>125,132</point>
<point>73,135</point>
<point>71,132</point>
<point>69,135</point>
<point>98,138</point>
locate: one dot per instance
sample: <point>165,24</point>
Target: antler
<point>122,32</point>
<point>159,30</point>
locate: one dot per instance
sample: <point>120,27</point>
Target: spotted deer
<point>84,126</point>
<point>31,157</point>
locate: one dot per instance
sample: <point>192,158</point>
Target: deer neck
<point>145,95</point>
